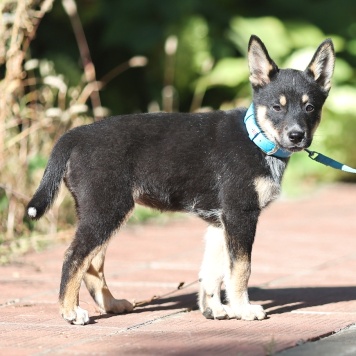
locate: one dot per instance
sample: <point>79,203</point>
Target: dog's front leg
<point>240,232</point>
<point>211,275</point>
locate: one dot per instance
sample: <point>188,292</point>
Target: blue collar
<point>257,136</point>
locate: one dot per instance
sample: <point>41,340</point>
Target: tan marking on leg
<point>239,276</point>
<point>96,284</point>
<point>305,98</point>
<point>236,288</point>
<point>265,124</point>
<point>69,303</point>
<point>283,100</point>
<point>94,278</point>
<point>267,190</point>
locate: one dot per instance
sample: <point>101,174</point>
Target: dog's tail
<point>52,177</point>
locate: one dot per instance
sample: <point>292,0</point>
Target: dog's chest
<point>268,187</point>
<point>267,190</point>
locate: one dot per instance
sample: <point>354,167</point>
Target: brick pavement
<point>303,272</point>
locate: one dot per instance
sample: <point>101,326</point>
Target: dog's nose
<point>296,136</point>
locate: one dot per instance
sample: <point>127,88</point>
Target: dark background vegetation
<point>117,30</point>
<point>191,56</point>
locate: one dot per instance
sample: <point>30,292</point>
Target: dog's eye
<point>309,108</point>
<point>276,107</point>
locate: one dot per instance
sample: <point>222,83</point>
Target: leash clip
<point>327,161</point>
<point>312,154</point>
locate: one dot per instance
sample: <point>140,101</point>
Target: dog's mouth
<point>286,144</point>
<point>294,148</point>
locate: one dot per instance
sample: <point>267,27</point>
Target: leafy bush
<point>37,107</point>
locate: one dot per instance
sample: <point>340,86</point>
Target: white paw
<point>216,313</point>
<point>246,312</point>
<point>78,316</point>
<point>119,306</point>
<point>214,309</point>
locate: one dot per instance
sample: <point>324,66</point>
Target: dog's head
<point>288,102</point>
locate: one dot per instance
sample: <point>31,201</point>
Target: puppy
<point>223,166</point>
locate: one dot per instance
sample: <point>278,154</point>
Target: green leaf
<point>228,71</point>
<point>267,28</point>
<point>37,162</point>
<point>342,100</point>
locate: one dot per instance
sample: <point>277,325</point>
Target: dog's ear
<point>321,67</point>
<point>262,67</point>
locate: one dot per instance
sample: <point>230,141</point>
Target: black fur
<point>201,163</point>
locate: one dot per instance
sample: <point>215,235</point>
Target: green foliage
<point>36,162</point>
<point>268,28</point>
<point>193,52</point>
<point>143,215</point>
<point>227,72</point>
<point>4,201</point>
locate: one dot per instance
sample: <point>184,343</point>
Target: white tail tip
<point>32,212</point>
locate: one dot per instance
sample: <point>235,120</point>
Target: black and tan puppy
<point>223,166</point>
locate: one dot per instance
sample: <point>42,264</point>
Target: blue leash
<point>270,148</point>
<point>327,161</point>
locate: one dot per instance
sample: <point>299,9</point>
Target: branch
<point>89,70</point>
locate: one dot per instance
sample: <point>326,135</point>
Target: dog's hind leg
<point>214,266</point>
<point>95,282</point>
<point>77,260</point>
<point>99,218</point>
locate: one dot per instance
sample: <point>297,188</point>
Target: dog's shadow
<point>283,300</point>
<point>274,301</point>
